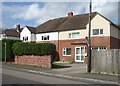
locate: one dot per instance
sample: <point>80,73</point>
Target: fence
<point>106,61</point>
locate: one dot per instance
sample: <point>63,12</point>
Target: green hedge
<point>0,50</point>
<point>40,49</point>
<point>9,51</point>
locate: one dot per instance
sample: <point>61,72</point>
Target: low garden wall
<point>41,61</point>
<point>37,54</point>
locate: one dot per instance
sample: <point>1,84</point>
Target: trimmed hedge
<point>40,49</point>
<point>9,51</point>
<point>0,50</point>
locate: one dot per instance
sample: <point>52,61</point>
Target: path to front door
<point>79,54</point>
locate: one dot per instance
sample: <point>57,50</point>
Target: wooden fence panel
<point>106,61</point>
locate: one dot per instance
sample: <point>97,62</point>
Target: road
<point>19,77</point>
<point>10,76</point>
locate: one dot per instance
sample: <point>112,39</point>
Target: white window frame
<point>98,48</point>
<point>99,32</point>
<point>24,38</point>
<point>65,50</point>
<point>47,36</point>
<point>80,54</point>
<point>71,35</point>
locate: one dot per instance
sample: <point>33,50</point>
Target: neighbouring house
<point>70,35</point>
<point>28,34</point>
<point>12,33</point>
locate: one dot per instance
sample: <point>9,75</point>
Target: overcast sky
<point>36,13</point>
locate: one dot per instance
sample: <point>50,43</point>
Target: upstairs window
<point>66,51</point>
<point>25,38</point>
<point>45,37</point>
<point>74,35</point>
<point>97,31</point>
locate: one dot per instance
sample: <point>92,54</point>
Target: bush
<point>9,51</point>
<point>40,49</point>
<point>0,50</point>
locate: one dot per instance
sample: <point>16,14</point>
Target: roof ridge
<point>65,23</point>
<point>71,16</point>
<point>29,26</point>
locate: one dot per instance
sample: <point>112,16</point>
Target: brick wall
<point>100,41</point>
<point>114,43</point>
<point>109,42</point>
<point>104,41</point>
<point>67,44</point>
<point>41,61</point>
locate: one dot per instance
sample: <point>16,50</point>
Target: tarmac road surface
<point>19,77</point>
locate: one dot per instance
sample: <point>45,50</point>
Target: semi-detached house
<point>70,35</point>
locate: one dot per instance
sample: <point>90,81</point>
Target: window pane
<point>101,31</point>
<point>47,37</point>
<point>78,51</point>
<point>82,57</point>
<point>76,35</point>
<point>23,39</point>
<point>68,51</point>
<point>82,50</point>
<point>64,49</point>
<point>95,31</point>
<point>64,53</point>
<point>70,35</point>
<point>42,38</point>
<point>77,57</point>
<point>27,38</point>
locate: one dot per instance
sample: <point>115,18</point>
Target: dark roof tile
<point>65,23</point>
<point>32,29</point>
<point>12,32</point>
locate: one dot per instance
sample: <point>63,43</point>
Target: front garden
<point>38,54</point>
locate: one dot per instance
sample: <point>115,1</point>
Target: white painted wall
<point>64,35</point>
<point>25,32</point>
<point>98,22</point>
<point>13,38</point>
<point>9,37</point>
<point>2,36</point>
<point>33,37</point>
<point>52,36</point>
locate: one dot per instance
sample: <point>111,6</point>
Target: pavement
<point>72,71</point>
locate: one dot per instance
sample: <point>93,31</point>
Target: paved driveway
<point>74,68</point>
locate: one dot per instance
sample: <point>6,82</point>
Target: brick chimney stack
<point>18,28</point>
<point>70,14</point>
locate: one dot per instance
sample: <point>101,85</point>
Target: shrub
<point>40,49</point>
<point>9,51</point>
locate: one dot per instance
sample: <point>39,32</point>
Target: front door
<point>79,54</point>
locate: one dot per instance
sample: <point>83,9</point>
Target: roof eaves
<point>60,30</point>
<point>12,36</point>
